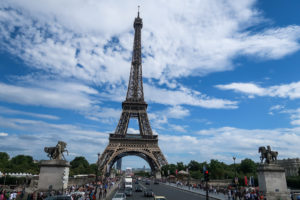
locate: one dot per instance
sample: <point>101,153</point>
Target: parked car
<point>156,182</point>
<point>128,191</point>
<point>160,198</point>
<point>119,196</point>
<point>148,193</point>
<point>138,188</point>
<point>147,182</point>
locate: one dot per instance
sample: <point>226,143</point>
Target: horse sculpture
<point>267,155</point>
<point>56,153</point>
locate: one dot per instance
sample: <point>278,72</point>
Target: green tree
<point>22,160</point>
<point>171,168</point>
<point>22,163</point>
<point>195,166</point>
<point>79,162</point>
<point>196,174</point>
<point>80,166</point>
<point>4,157</point>
<point>248,166</point>
<point>217,169</point>
<point>181,166</point>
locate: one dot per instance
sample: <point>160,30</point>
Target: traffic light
<point>206,175</point>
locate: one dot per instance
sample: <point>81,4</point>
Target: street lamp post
<point>98,163</point>
<point>4,178</point>
<point>234,170</point>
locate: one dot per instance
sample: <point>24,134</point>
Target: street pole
<point>4,178</point>
<point>206,190</point>
<point>235,183</point>
<point>98,163</point>
<point>234,167</point>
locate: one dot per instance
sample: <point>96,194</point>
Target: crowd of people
<point>11,195</point>
<point>90,191</point>
<point>232,193</point>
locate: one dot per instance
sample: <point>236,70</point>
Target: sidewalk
<point>198,191</point>
<point>110,192</point>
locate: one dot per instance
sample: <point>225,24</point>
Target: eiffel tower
<point>121,143</point>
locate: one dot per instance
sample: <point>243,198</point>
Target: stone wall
<point>80,180</point>
<point>291,166</point>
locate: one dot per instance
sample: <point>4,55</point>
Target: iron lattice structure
<point>145,144</point>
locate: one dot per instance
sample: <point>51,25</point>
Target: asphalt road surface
<point>163,190</point>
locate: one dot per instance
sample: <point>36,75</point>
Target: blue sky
<point>221,77</point>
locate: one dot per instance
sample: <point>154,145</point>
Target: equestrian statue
<point>56,153</point>
<point>267,155</point>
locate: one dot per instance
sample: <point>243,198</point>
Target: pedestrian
<point>100,193</point>
<point>105,192</point>
<point>229,195</point>
<point>2,195</point>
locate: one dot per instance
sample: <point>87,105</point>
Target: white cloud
<point>248,88</point>
<point>209,35</point>
<point>178,112</point>
<point>56,94</point>
<point>291,90</point>
<point>160,119</point>
<point>178,128</point>
<point>294,115</point>
<point>18,112</point>
<point>80,44</point>
<point>37,134</point>
<point>88,49</point>
<point>185,96</point>
<point>66,96</point>
<point>3,134</point>
<point>223,143</point>
<point>275,108</point>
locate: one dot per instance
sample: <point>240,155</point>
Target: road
<point>163,190</point>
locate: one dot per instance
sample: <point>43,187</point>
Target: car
<point>119,196</point>
<point>147,182</point>
<point>148,193</point>
<point>160,198</point>
<point>128,191</point>
<point>156,182</point>
<point>138,188</point>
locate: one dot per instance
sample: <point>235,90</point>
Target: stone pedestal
<point>157,175</point>
<point>272,182</point>
<point>55,173</point>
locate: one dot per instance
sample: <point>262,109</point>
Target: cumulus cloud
<point>39,134</point>
<point>81,43</point>
<point>60,97</point>
<point>87,48</point>
<point>73,96</point>
<point>9,111</point>
<point>225,142</point>
<point>275,108</point>
<point>294,115</point>
<point>2,134</point>
<point>185,96</point>
<point>291,90</point>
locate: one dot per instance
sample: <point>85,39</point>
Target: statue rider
<point>59,151</point>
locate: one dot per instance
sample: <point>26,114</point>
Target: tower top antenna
<point>138,11</point>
